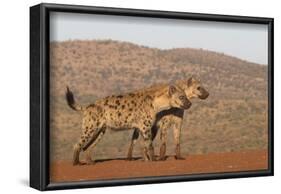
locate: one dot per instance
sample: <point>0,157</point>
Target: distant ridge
<point>112,66</point>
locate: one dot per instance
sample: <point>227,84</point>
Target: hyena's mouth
<point>186,105</point>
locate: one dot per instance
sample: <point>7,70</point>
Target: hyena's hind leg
<point>76,153</point>
<point>94,142</point>
<point>88,137</point>
<point>134,139</point>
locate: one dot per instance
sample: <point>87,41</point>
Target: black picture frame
<point>39,94</point>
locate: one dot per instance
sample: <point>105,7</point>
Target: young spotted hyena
<point>172,118</point>
<point>130,111</point>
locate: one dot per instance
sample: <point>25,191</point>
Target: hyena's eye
<point>182,97</point>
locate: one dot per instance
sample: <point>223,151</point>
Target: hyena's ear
<point>190,81</point>
<point>172,90</point>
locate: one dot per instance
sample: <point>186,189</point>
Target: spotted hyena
<point>172,118</point>
<point>123,112</point>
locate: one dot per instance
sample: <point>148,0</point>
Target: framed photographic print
<point>126,96</point>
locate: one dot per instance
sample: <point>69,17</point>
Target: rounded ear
<point>190,81</point>
<point>172,90</point>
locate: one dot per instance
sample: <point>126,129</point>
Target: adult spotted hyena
<point>123,112</point>
<point>172,118</point>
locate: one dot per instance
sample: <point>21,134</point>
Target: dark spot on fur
<point>119,96</point>
<point>147,123</point>
<point>130,109</point>
<point>132,94</point>
<point>110,106</point>
<point>106,102</point>
<point>117,102</point>
<point>123,106</point>
<point>119,114</point>
<point>149,98</point>
<point>134,103</point>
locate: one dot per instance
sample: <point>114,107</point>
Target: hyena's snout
<point>186,104</point>
<point>204,94</point>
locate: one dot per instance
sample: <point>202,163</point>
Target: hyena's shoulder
<point>151,90</point>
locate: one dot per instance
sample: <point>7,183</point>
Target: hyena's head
<point>194,89</point>
<point>178,98</point>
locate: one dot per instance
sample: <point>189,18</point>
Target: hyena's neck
<point>161,103</point>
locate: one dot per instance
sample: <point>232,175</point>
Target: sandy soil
<point>63,171</point>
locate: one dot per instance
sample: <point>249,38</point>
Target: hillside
<point>234,117</point>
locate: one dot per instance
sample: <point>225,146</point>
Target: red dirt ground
<point>63,171</point>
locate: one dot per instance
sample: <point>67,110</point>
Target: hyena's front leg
<point>164,125</point>
<point>134,139</point>
<point>148,146</point>
<point>177,135</point>
<point>163,139</point>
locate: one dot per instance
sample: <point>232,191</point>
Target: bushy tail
<point>71,101</point>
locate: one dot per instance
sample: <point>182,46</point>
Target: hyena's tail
<point>71,101</point>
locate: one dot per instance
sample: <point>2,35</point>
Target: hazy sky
<point>245,41</point>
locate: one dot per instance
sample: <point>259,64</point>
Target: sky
<point>245,41</point>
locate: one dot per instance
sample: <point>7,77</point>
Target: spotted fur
<point>124,112</point>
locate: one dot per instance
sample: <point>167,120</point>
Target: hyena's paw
<point>162,158</point>
<point>78,163</point>
<point>89,162</point>
<point>129,159</point>
<point>179,158</point>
